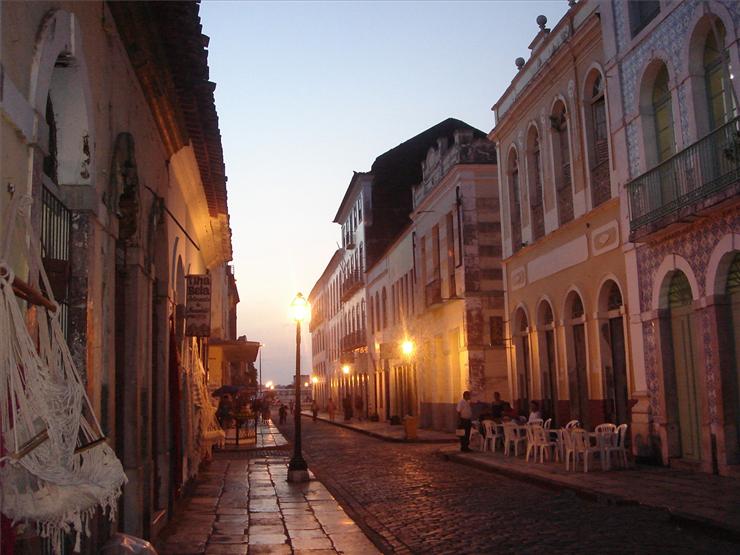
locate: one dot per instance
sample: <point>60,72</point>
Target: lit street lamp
<point>407,347</point>
<point>297,468</point>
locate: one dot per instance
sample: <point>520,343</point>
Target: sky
<point>307,93</point>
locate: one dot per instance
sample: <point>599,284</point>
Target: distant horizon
<point>309,92</point>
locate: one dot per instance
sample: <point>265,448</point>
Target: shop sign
<point>198,305</point>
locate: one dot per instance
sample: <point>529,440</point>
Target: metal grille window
<point>56,228</point>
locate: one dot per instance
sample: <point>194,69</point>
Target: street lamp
<point>345,369</point>
<point>407,347</point>
<point>297,468</point>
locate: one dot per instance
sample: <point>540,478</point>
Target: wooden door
<point>619,394</point>
<point>578,377</point>
<point>524,377</point>
<point>686,383</point>
<point>550,379</point>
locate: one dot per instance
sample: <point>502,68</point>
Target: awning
<point>236,351</point>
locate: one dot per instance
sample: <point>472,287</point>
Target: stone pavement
<point>242,504</point>
<point>408,499</point>
<point>688,496</point>
<point>384,431</point>
<point>267,436</point>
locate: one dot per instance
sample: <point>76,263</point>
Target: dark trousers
<point>465,440</point>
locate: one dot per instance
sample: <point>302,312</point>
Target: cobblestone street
<point>410,500</point>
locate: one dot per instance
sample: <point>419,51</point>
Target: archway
<point>614,354</point>
<point>682,382</point>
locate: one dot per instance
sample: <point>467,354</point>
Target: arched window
<point>515,202</point>
<point>719,97</point>
<point>521,353</point>
<point>384,308</point>
<point>598,138</point>
<point>561,153</point>
<point>534,166</point>
<point>577,359</point>
<point>665,141</point>
<point>371,314</point>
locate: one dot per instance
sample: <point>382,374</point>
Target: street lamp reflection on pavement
<point>297,468</point>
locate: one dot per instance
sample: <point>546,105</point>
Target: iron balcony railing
<point>351,284</point>
<point>354,340</point>
<point>709,166</point>
<point>433,292</point>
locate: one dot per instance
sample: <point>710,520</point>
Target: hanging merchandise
<point>57,468</point>
<point>208,431</point>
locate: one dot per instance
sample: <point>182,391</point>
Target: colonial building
<point>674,129</point>
<point>109,124</point>
<point>566,288</point>
<point>434,193</point>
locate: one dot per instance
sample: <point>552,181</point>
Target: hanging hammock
<point>57,469</point>
<point>208,430</point>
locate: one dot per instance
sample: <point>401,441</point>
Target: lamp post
<point>297,468</point>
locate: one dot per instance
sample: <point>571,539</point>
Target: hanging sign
<point>198,305</point>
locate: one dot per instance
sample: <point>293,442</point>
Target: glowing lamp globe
<point>299,308</point>
<point>407,347</point>
<point>314,380</point>
<point>345,368</point>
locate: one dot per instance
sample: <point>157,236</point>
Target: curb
<point>678,515</point>
<point>382,437</point>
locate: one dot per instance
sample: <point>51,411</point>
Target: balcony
<point>433,293</point>
<point>351,284</point>
<point>691,181</point>
<point>317,317</point>
<point>354,340</point>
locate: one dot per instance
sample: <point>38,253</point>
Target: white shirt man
<point>465,413</point>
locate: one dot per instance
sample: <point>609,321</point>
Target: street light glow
<point>305,384</point>
<point>314,379</point>
<point>345,368</point>
<point>299,308</point>
<point>407,347</point>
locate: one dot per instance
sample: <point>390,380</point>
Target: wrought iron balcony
<point>317,317</point>
<point>354,340</point>
<point>433,292</point>
<point>693,180</point>
<point>351,284</point>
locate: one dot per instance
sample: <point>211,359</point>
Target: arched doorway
<point>577,359</point>
<point>521,354</point>
<point>548,365</point>
<point>680,301</point>
<point>732,292</point>
<point>614,357</point>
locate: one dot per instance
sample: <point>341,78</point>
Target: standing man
<point>465,415</point>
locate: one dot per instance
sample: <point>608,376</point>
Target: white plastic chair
<point>512,437</point>
<point>581,447</point>
<point>572,424</point>
<point>620,448</point>
<point>543,444</point>
<point>490,436</point>
<point>606,428</point>
<point>475,437</point>
<point>548,423</point>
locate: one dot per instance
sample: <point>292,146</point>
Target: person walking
<point>359,405</point>
<point>465,416</point>
<point>283,412</point>
<point>314,409</point>
<point>347,406</point>
<point>331,407</point>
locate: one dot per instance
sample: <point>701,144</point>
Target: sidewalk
<point>267,437</point>
<point>384,431</point>
<point>244,505</point>
<point>696,498</point>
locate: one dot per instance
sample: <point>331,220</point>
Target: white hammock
<point>57,469</point>
<point>206,428</point>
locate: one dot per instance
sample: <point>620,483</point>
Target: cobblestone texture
<point>409,500</point>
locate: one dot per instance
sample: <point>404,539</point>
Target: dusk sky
<point>307,93</point>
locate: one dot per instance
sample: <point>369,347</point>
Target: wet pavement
<point>410,499</point>
<point>243,504</point>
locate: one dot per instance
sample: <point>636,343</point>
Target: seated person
<point>498,406</point>
<point>534,412</point>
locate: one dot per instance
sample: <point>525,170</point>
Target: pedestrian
<point>465,416</point>
<point>359,406</point>
<point>283,412</point>
<point>225,410</point>
<point>265,411</point>
<point>314,409</point>
<point>331,407</point>
<point>347,406</point>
